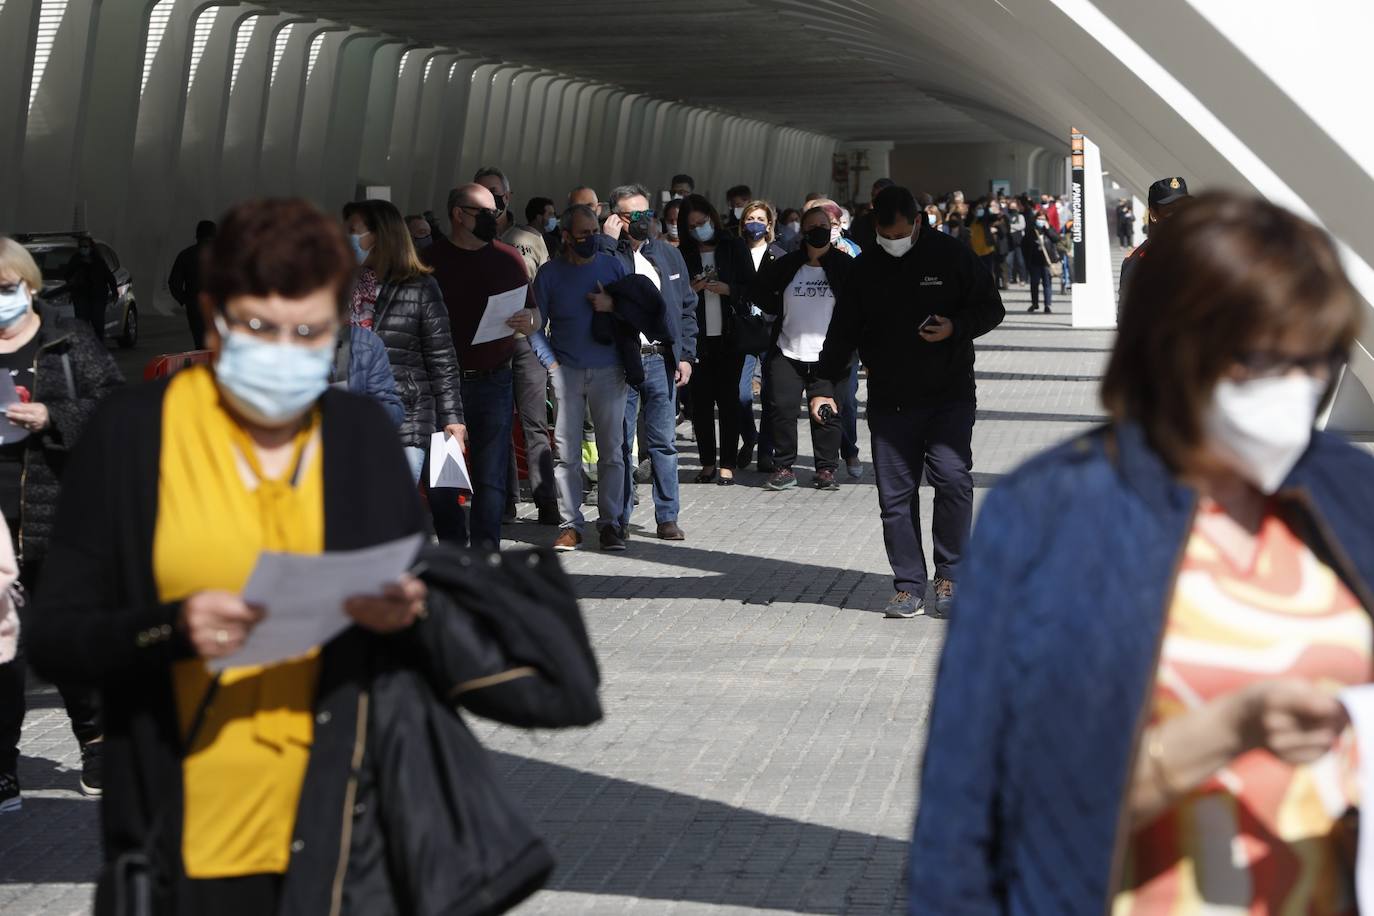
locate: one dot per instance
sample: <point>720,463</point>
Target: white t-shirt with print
<point>807,304</point>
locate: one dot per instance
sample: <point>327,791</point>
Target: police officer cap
<point>1167,190</point>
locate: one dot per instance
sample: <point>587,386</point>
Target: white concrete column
<point>56,115</point>
<point>1094,286</point>
<point>18,23</point>
<point>249,102</point>
<point>291,46</point>
<point>343,137</point>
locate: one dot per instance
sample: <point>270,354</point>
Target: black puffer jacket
<point>72,372</point>
<point>412,321</point>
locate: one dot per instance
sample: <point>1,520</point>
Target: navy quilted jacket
<point>1050,658</point>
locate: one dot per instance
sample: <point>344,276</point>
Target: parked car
<point>53,251</point>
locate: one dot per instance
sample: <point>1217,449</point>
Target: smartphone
<point>928,323</point>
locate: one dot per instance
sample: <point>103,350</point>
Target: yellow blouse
<point>216,512</point>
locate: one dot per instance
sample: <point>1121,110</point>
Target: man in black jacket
<point>184,281</point>
<point>912,308</point>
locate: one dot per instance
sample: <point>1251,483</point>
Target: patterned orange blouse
<point>1260,836</point>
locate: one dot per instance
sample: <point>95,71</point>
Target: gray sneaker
<point>944,596</point>
<point>903,606</point>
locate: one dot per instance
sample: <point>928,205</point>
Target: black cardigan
<point>734,268</point>
<point>98,621</point>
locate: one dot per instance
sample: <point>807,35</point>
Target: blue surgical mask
<point>930,218</point>
<point>978,212</point>
<point>754,230</point>
<point>551,224</point>
<point>423,242</point>
<point>704,233</point>
<point>14,306</point>
<point>355,241</point>
<point>270,382</point>
<point>1043,223</point>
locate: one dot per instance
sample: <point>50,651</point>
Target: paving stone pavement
<point>763,723</point>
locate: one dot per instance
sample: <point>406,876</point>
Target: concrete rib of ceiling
<point>851,70</point>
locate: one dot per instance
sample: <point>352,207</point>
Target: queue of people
<point>1218,549</point>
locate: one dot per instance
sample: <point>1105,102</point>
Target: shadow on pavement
<point>616,837</point>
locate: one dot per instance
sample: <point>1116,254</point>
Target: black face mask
<point>585,248</point>
<point>639,230</point>
<point>817,236</point>
<point>485,226</point>
<point>500,204</point>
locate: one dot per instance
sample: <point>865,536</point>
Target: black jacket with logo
<point>883,303</point>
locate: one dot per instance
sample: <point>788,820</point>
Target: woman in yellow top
<point>294,787</point>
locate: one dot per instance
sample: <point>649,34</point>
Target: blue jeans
<point>488,407</point>
<point>849,414</point>
<point>415,457</point>
<point>762,433</point>
<point>659,443</point>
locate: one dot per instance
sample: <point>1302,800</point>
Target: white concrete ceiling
<point>851,70</point>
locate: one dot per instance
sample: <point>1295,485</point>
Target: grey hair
<point>629,190</point>
<point>488,171</point>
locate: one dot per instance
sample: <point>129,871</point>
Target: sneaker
<point>568,540</point>
<point>944,596</point>
<point>611,539</point>
<point>825,480</point>
<point>644,472</point>
<point>903,606</point>
<point>92,781</point>
<point>782,479</point>
<point>855,467</point>
<point>10,799</point>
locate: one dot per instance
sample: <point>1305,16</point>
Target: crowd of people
<point>1136,725</point>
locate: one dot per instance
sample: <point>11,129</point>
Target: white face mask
<point>15,305</point>
<point>1261,427</point>
<point>895,247</point>
<point>738,211</point>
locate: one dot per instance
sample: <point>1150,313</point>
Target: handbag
<point>750,334</point>
<point>138,877</point>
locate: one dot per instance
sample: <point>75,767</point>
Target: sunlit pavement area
<point>764,723</point>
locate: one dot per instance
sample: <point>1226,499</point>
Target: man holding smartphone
<point>912,308</point>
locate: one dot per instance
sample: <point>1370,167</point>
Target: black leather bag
<point>751,334</point>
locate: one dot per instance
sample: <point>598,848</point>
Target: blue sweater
<point>560,290</point>
<point>1050,661</point>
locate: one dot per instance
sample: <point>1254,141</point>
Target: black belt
<point>654,350</point>
<point>469,375</point>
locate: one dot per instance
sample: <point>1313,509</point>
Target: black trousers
<point>788,380</point>
<point>93,313</point>
<point>195,321</point>
<point>532,394</point>
<point>715,392</point>
<point>82,703</point>
<point>938,440</point>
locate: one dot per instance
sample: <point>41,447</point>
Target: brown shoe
<point>568,539</point>
<point>669,531</point>
<point>611,539</point>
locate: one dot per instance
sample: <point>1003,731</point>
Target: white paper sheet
<point>9,432</point>
<point>499,308</point>
<point>447,466</point>
<point>304,597</point>
<point>1359,704</point>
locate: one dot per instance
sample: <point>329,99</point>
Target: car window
<point>110,257</point>
<point>53,261</point>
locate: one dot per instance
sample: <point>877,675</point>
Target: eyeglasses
<point>1268,364</point>
<point>477,211</point>
<point>292,333</point>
